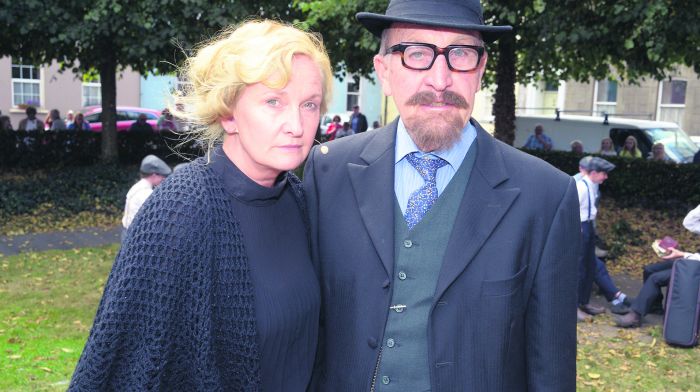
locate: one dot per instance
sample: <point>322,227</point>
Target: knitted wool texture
<point>178,312</point>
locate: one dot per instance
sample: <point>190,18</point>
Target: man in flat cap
<point>594,172</point>
<point>461,271</point>
<point>153,171</point>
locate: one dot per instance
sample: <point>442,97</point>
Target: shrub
<point>639,182</point>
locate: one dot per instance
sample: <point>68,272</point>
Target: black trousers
<point>656,276</point>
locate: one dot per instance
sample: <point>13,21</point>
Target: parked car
<point>125,117</point>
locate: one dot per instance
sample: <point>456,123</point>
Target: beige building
<point>46,88</point>
<point>675,99</point>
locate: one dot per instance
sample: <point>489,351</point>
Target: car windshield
<point>677,143</point>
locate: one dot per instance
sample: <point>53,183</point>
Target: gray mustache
<point>428,98</point>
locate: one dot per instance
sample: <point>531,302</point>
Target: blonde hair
<point>256,51</point>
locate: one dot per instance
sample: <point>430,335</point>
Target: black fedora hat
<point>458,14</point>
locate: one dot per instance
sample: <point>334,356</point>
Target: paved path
<point>87,237</point>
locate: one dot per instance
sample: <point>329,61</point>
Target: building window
<point>26,89</point>
<point>605,97</point>
<point>353,92</point>
<point>672,101</point>
<point>92,93</point>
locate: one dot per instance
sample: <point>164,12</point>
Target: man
<point>587,187</point>
<point>650,293</point>
<point>141,124</point>
<point>153,171</point>
<point>31,123</point>
<point>657,276</point>
<point>619,302</point>
<point>477,293</point>
<point>358,121</point>
<point>540,141</point>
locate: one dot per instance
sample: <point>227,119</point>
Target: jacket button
<point>372,342</point>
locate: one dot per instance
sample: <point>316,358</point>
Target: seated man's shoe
<point>592,309</point>
<point>581,316</point>
<point>630,320</point>
<point>620,308</point>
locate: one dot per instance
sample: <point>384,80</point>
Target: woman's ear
<point>229,125</point>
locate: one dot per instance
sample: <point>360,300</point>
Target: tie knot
<point>427,167</point>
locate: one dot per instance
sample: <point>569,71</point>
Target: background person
<point>153,171</point>
<point>57,124</point>
<point>432,290</point>
<point>358,121</point>
<point>30,123</point>
<point>79,123</point>
<point>213,289</point>
<point>166,121</point>
<point>607,148</point>
<point>141,124</point>
<point>629,149</point>
<point>538,141</point>
<point>577,147</point>
<point>658,153</point>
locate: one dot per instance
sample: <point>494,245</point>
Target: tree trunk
<point>108,79</point>
<point>504,101</point>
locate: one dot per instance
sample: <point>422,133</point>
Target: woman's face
<point>272,130</point>
<point>606,144</point>
<point>629,144</point>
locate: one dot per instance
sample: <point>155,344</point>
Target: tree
<point>105,36</point>
<point>553,40</point>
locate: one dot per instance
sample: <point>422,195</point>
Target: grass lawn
<point>47,303</point>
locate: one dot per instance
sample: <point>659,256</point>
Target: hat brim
<point>376,23</point>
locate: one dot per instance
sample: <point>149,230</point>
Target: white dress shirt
<point>586,198</point>
<point>692,220</point>
<point>135,198</point>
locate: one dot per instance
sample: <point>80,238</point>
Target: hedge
<point>640,182</point>
<point>20,149</point>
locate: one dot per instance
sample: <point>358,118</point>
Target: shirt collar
<point>454,155</point>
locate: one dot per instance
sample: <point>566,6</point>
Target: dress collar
<point>241,186</point>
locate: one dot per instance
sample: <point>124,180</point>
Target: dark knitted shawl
<point>177,312</point>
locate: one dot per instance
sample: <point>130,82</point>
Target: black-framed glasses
<point>421,56</point>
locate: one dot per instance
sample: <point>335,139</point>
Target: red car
<point>125,117</point>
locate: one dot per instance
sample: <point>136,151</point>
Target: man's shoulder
<point>528,169</point>
<point>348,149</point>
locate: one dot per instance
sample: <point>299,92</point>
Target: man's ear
<point>381,67</point>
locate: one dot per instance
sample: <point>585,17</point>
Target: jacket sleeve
<point>147,321</point>
<point>551,315</point>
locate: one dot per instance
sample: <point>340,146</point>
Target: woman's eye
<point>310,105</point>
<point>273,102</point>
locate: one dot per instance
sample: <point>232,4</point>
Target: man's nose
<point>439,75</point>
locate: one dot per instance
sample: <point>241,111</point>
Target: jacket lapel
<point>481,210</point>
<point>373,184</point>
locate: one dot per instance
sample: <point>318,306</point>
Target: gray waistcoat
<point>418,259</point>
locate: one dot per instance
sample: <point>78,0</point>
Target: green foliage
<point>48,301</point>
<point>639,182</point>
<point>60,199</point>
<point>68,148</point>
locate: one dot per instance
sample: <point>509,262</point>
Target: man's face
<point>598,177</point>
<point>539,130</point>
<point>434,104</point>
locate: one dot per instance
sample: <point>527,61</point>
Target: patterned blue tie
<point>424,197</point>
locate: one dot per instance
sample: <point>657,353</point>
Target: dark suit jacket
<point>503,314</point>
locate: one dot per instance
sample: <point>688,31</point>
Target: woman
<point>607,148</point>
<point>629,149</point>
<point>56,123</point>
<point>213,288</point>
<point>658,153</point>
<point>79,123</point>
<point>333,128</point>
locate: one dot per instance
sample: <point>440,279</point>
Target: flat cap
<point>152,164</point>
<point>598,164</point>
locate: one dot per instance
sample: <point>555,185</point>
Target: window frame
<point>33,81</point>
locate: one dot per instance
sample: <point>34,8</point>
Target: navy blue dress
<point>287,293</point>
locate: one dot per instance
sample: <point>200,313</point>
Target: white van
<point>564,129</point>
